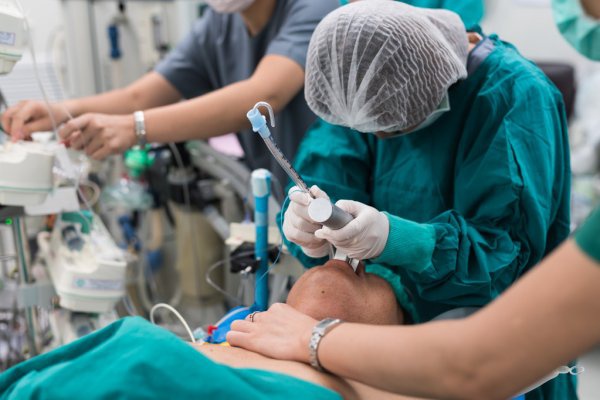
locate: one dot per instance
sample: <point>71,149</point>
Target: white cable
<point>35,67</point>
<point>95,189</point>
<point>129,306</point>
<point>45,96</point>
<point>174,311</point>
<point>209,280</point>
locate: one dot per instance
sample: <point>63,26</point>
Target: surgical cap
<point>381,65</point>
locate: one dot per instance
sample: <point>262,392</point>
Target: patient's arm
<point>240,358</point>
<point>334,290</point>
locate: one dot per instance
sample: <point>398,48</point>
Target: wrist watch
<point>140,128</point>
<point>319,331</point>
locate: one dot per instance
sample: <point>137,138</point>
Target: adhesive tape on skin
<point>320,210</point>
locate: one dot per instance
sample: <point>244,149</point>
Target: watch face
<point>322,324</point>
<point>325,323</point>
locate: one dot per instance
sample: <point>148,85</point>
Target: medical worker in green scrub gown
<point>448,147</point>
<point>579,22</point>
<point>470,11</point>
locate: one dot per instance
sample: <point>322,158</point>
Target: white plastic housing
<point>12,36</point>
<point>91,280</point>
<point>26,177</point>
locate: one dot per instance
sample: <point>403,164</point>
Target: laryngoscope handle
<point>326,213</point>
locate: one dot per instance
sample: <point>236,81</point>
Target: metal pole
<point>23,263</point>
<point>261,188</point>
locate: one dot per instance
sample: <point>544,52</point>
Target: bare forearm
<point>217,113</point>
<point>545,320</point>
<point>277,80</point>
<point>413,360</point>
<point>592,8</point>
<point>113,102</point>
<point>152,90</point>
<point>533,326</point>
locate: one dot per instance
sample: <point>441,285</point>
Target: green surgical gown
<point>492,177</point>
<point>470,11</point>
<point>587,236</point>
<point>133,359</point>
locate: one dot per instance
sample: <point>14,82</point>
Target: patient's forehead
<point>333,279</point>
<point>335,290</point>
<point>336,273</point>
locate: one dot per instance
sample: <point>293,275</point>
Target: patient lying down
<point>134,359</point>
<point>332,290</point>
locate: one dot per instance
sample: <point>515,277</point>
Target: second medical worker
<point>238,53</point>
<point>448,147</point>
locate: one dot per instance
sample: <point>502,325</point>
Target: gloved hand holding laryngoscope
<point>311,208</point>
<point>299,227</point>
<point>357,230</point>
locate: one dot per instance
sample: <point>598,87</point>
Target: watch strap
<point>140,128</point>
<point>318,333</point>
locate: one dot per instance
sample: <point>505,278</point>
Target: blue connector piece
<point>218,333</point>
<point>259,122</point>
<point>113,36</point>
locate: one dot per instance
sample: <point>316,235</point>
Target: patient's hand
<point>281,332</point>
<point>334,290</point>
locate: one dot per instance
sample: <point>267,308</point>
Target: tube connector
<point>258,121</point>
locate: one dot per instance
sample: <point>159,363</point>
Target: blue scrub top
<point>219,51</point>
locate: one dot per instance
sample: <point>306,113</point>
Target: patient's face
<point>335,290</point>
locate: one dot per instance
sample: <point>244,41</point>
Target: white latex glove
<point>363,238</point>
<point>299,228</point>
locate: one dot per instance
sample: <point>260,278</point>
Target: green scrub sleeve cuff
<point>410,245</point>
<point>588,236</point>
<point>396,283</point>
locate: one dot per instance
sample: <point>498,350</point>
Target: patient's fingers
<point>281,332</point>
<point>237,338</point>
<point>241,325</point>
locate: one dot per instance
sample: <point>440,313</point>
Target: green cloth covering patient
<point>134,359</point>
